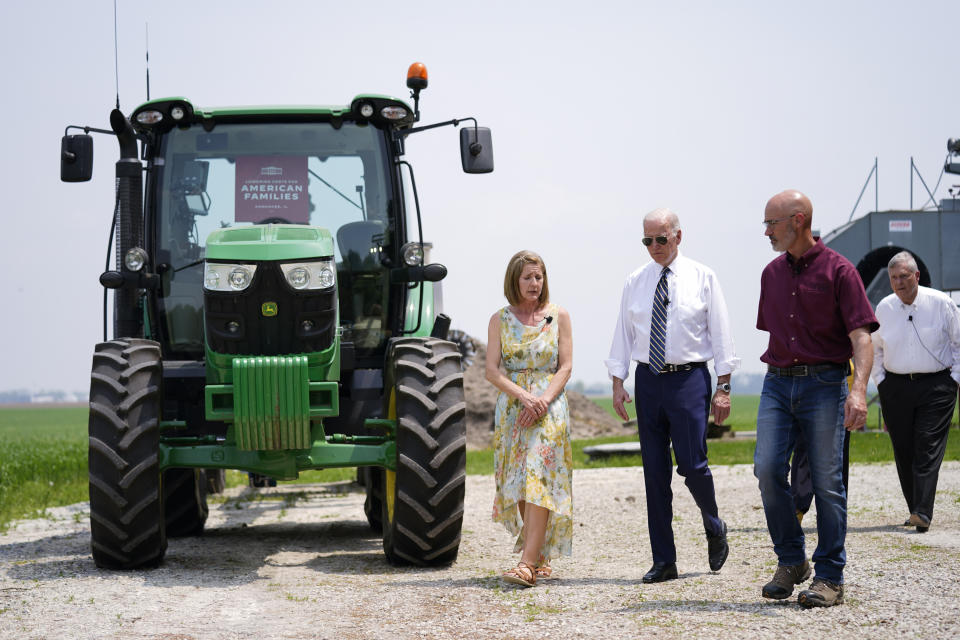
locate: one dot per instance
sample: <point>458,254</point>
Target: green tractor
<point>274,311</point>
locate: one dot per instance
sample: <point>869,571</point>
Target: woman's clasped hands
<point>534,408</point>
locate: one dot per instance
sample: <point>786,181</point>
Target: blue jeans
<point>813,406</point>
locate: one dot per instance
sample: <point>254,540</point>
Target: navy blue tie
<point>658,325</point>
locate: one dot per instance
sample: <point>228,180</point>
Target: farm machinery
<point>274,311</point>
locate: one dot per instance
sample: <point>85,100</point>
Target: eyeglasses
<point>767,224</point>
<point>647,240</point>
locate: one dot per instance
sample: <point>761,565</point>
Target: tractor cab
<point>236,175</point>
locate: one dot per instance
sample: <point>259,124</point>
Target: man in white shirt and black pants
<point>916,366</point>
<point>672,320</point>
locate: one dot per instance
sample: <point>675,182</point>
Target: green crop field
<point>43,455</point>
<point>43,460</point>
<point>743,411</point>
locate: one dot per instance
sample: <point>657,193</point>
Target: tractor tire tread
<point>126,504</point>
<point>430,478</point>
<point>422,433</point>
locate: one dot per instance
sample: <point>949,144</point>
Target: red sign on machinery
<point>901,225</point>
<point>272,187</point>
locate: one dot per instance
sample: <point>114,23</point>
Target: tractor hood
<point>267,242</point>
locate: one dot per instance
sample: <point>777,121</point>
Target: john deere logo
<point>269,309</point>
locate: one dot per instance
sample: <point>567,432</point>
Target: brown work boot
<point>822,593</point>
<point>922,523</point>
<point>784,580</point>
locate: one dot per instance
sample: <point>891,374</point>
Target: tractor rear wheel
<point>216,481</point>
<point>371,478</point>
<point>423,498</point>
<point>185,501</point>
<point>126,502</point>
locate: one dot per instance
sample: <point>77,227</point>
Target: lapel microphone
<point>910,318</point>
<point>546,325</point>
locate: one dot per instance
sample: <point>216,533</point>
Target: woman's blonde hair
<point>511,281</point>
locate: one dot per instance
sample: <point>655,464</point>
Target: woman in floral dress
<point>529,359</point>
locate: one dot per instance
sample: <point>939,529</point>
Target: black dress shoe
<point>661,571</point>
<point>717,548</point>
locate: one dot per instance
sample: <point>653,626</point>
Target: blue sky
<point>600,112</point>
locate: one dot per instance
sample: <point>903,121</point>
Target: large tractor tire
<point>216,481</point>
<point>185,501</point>
<point>423,498</point>
<point>126,502</point>
<point>371,478</point>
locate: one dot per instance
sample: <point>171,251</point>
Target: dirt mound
<point>587,420</point>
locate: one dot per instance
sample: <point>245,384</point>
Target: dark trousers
<point>673,408</point>
<point>918,413</point>
<point>801,482</point>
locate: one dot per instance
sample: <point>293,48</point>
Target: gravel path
<point>300,562</point>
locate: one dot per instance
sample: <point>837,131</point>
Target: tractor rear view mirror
<point>430,273</point>
<point>76,158</point>
<point>476,150</point>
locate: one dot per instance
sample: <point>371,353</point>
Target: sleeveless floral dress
<point>533,464</point>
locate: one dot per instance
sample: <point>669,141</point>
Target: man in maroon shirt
<point>813,305</point>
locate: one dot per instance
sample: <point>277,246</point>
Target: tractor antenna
<point>147,28</point>
<point>116,56</point>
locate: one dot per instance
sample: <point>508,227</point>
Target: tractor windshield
<point>296,173</point>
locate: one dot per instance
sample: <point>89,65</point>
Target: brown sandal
<point>544,572</point>
<point>523,574</point>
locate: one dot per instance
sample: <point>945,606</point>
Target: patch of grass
<point>43,460</point>
<point>864,447</point>
<point>236,478</point>
<point>743,410</point>
<point>43,456</point>
<point>532,609</point>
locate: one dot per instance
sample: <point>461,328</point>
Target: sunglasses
<point>647,241</point>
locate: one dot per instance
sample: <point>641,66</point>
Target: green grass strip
<point>43,456</point>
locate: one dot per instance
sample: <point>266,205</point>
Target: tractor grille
<point>271,403</point>
<point>305,321</point>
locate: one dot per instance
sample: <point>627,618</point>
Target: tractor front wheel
<point>423,498</point>
<point>126,503</point>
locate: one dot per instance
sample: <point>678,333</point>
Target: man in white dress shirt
<point>672,320</point>
<point>916,366</point>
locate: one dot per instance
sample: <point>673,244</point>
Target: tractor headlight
<point>320,274</point>
<point>149,117</point>
<point>298,278</point>
<point>134,259</point>
<point>412,253</point>
<point>228,277</point>
<point>393,112</point>
<point>240,278</point>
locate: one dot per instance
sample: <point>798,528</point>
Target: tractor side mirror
<point>430,273</point>
<point>476,150</point>
<point>76,158</point>
<point>434,272</point>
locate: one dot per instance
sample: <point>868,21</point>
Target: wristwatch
<point>723,386</point>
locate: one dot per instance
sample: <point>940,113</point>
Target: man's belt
<point>674,368</point>
<point>916,376</point>
<point>808,369</point>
